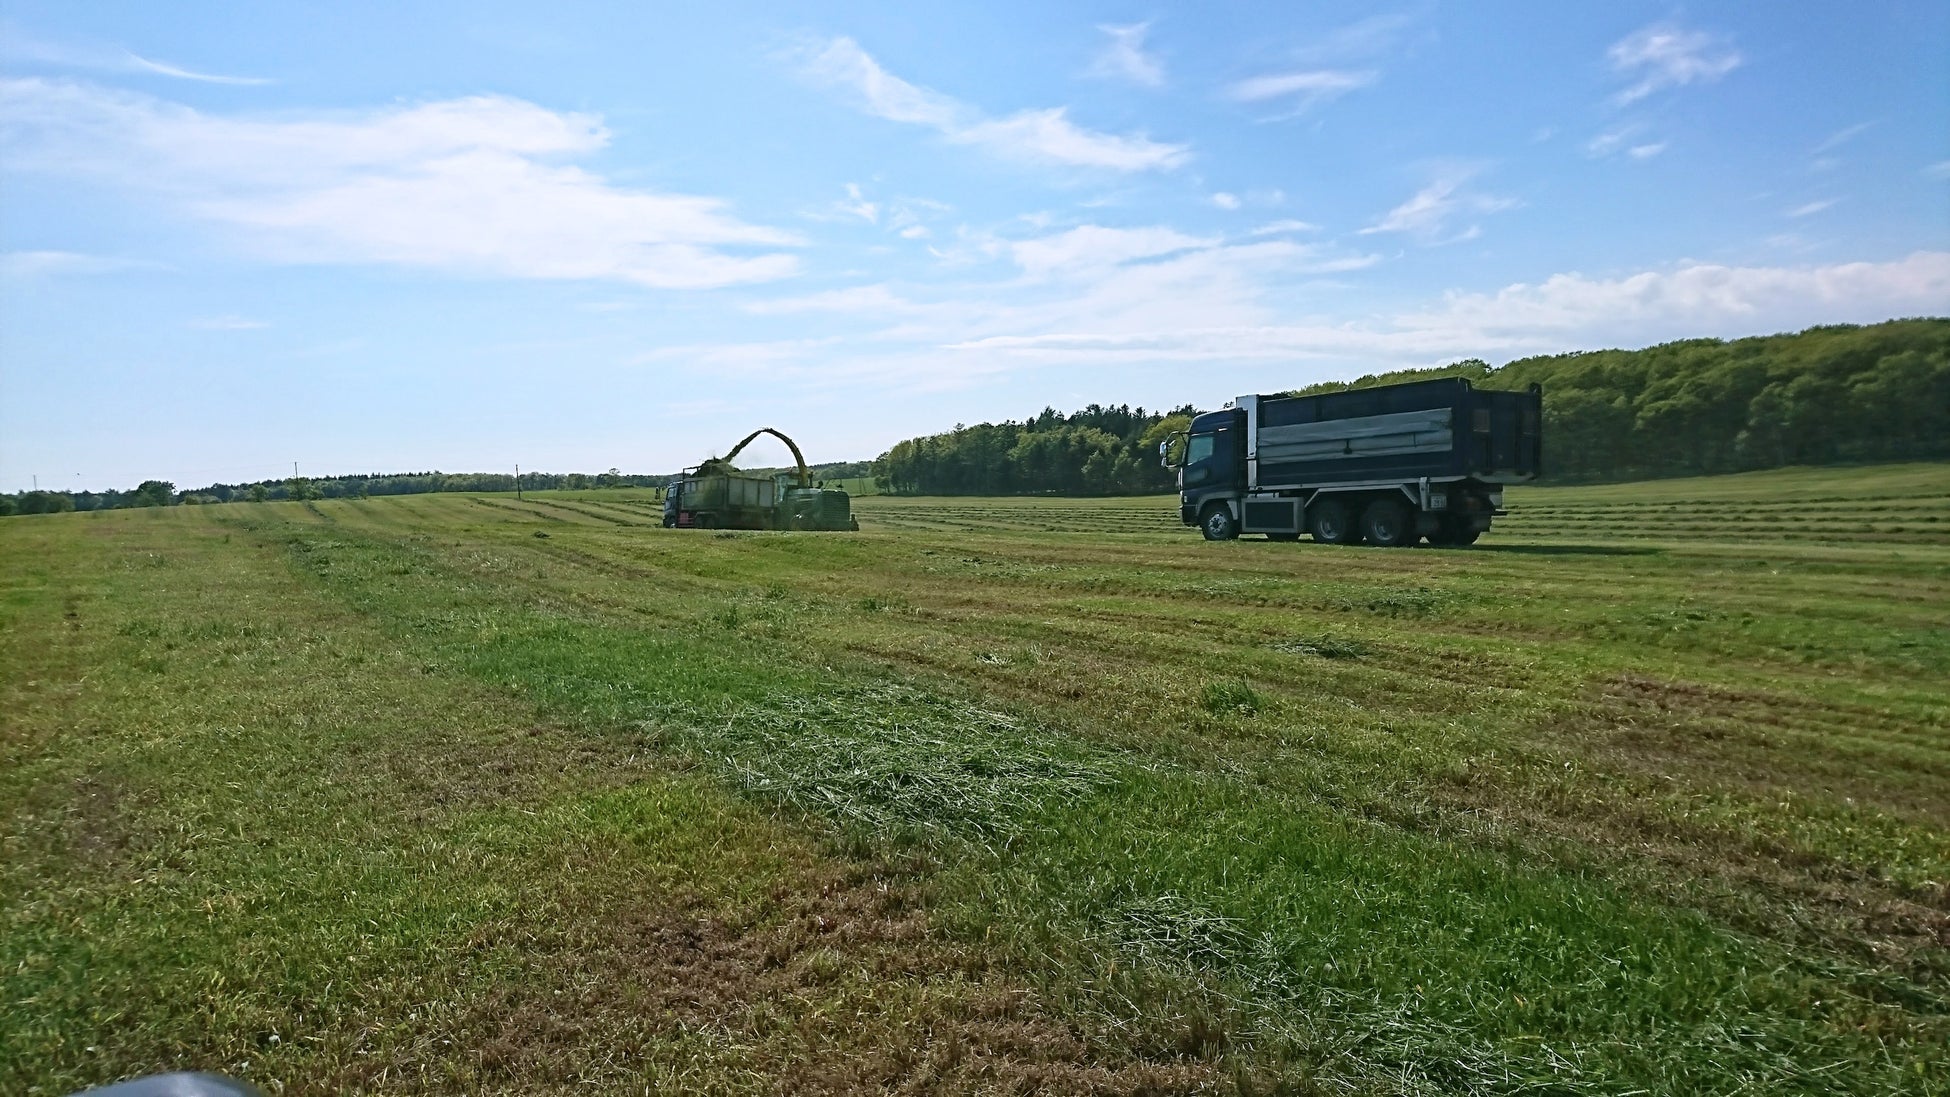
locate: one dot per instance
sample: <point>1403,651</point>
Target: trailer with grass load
<point>1389,465</point>
<point>719,495</point>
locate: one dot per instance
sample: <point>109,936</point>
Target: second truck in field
<point>718,495</point>
<point>1387,465</point>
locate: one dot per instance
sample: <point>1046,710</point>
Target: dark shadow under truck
<point>1388,466</point>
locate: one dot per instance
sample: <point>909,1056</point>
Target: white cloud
<point>1564,312</point>
<point>1369,37</point>
<point>1045,135</point>
<point>1938,170</point>
<point>1272,228</point>
<point>1812,208</point>
<point>1049,136</point>
<point>874,298</point>
<point>48,264</point>
<point>1305,89</point>
<point>1613,142</point>
<point>1225,201</point>
<point>1094,247</point>
<point>476,185</point>
<point>1664,56</point>
<point>1124,58</point>
<point>1842,137</point>
<point>108,59</point>
<point>143,64</point>
<point>859,206</point>
<point>1428,213</point>
<point>1697,299</point>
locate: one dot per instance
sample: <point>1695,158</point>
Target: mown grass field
<point>1647,792</point>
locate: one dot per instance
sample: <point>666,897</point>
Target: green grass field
<point>1648,792</point>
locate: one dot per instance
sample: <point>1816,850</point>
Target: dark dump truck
<point>1388,465</point>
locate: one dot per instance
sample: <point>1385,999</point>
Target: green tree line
<point>1097,451</point>
<point>1827,395</point>
<point>155,493</point>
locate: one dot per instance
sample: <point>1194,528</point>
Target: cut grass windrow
<point>1578,816</point>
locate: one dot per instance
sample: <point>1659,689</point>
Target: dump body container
<point>722,500</point>
<point>1389,465</point>
<point>1441,428</point>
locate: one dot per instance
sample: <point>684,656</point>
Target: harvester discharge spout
<point>716,495</point>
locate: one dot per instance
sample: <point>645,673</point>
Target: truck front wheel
<point>1388,523</point>
<point>1218,524</point>
<point>1330,522</point>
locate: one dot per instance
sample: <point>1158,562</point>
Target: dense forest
<point>1097,451</point>
<point>1827,395</point>
<point>1823,396</point>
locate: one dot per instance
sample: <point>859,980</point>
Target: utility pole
<point>517,483</point>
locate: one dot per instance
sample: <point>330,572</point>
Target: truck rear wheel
<point>1331,523</point>
<point>1387,522</point>
<point>1454,532</point>
<point>1218,524</point>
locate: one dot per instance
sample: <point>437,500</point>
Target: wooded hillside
<point>1822,396</point>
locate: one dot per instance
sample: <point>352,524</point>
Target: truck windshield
<point>1199,448</point>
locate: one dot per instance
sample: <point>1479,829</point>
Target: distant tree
<point>302,489</point>
<point>154,493</point>
<point>8,505</point>
<point>46,502</point>
<point>611,479</point>
<point>258,493</point>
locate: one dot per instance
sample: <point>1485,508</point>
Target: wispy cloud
<point>1812,208</point>
<point>859,206</point>
<point>47,264</point>
<point>1842,137</point>
<point>1375,35</point>
<point>1272,228</point>
<point>1665,56</point>
<point>1698,298</point>
<point>477,185</point>
<point>1428,214</point>
<point>1303,89</point>
<point>1225,200</point>
<point>1095,247</point>
<point>109,59</point>
<point>1124,57</point>
<point>1040,135</point>
<point>1564,312</point>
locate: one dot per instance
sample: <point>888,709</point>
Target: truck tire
<point>1331,522</point>
<point>1388,522</point>
<point>1217,524</point>
<point>1454,532</point>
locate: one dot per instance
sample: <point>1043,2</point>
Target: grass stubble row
<point>450,793</point>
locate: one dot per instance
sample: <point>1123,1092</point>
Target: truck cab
<point>1213,461</point>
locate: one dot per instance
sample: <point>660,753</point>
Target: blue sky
<point>392,237</point>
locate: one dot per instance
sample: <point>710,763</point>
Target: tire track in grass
<point>1369,954</point>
